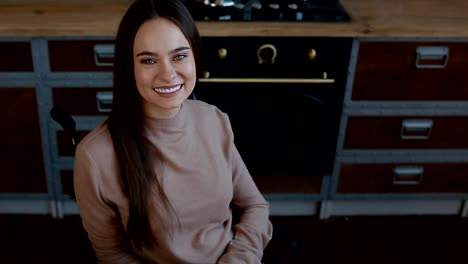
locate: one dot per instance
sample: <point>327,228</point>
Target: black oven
<point>283,97</point>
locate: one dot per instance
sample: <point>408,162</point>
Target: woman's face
<point>164,67</point>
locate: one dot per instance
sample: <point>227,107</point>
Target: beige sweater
<point>202,175</point>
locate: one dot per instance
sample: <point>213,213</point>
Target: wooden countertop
<point>370,18</point>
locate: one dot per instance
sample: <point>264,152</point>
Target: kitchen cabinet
<point>22,164</point>
<point>402,130</point>
<point>24,183</point>
<point>402,145</point>
<point>78,81</point>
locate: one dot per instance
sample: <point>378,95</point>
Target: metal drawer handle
<point>416,128</point>
<point>103,51</point>
<point>104,99</point>
<point>407,175</point>
<point>432,53</point>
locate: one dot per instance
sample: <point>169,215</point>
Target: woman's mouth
<point>168,90</point>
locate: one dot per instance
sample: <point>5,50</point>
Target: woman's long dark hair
<point>134,153</point>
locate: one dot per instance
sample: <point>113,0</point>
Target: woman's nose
<point>167,71</point>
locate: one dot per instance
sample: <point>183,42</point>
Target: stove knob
<point>266,54</point>
<point>312,54</point>
<point>222,53</point>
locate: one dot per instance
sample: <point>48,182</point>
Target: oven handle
<point>265,80</point>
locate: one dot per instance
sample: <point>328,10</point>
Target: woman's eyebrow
<point>150,53</point>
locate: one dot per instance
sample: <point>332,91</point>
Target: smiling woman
<point>158,182</point>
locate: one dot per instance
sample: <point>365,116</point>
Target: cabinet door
<point>416,71</point>
<point>21,160</point>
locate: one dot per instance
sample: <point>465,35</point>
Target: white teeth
<point>168,90</point>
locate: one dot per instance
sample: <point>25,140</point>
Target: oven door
<point>287,128</point>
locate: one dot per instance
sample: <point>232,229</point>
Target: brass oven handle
<point>206,78</point>
<point>271,60</point>
<point>264,80</point>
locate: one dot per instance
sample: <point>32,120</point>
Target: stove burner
<point>268,10</point>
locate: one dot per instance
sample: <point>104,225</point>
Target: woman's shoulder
<point>97,140</point>
<point>208,116</point>
<point>204,109</point>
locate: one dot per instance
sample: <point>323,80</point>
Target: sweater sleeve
<point>254,230</point>
<point>101,222</point>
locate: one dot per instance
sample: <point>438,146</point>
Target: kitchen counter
<point>370,18</point>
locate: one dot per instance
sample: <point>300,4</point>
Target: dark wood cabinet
<point>405,102</point>
<point>404,71</point>
<point>81,55</point>
<point>22,163</point>
<point>83,100</point>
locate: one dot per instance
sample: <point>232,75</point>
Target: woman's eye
<point>147,61</point>
<point>179,57</point>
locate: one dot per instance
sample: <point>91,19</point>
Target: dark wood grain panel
<point>78,101</point>
<point>21,160</point>
<point>16,57</point>
<point>75,56</point>
<point>364,132</point>
<point>378,178</point>
<point>386,71</point>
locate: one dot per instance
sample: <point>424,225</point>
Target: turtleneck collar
<point>176,121</point>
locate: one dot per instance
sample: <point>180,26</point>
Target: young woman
<point>158,182</point>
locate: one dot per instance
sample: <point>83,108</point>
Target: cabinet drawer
<point>403,178</point>
<point>80,55</point>
<point>16,57</point>
<point>387,71</point>
<point>406,133</point>
<point>83,101</point>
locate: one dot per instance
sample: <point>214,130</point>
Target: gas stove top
<point>268,10</point>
